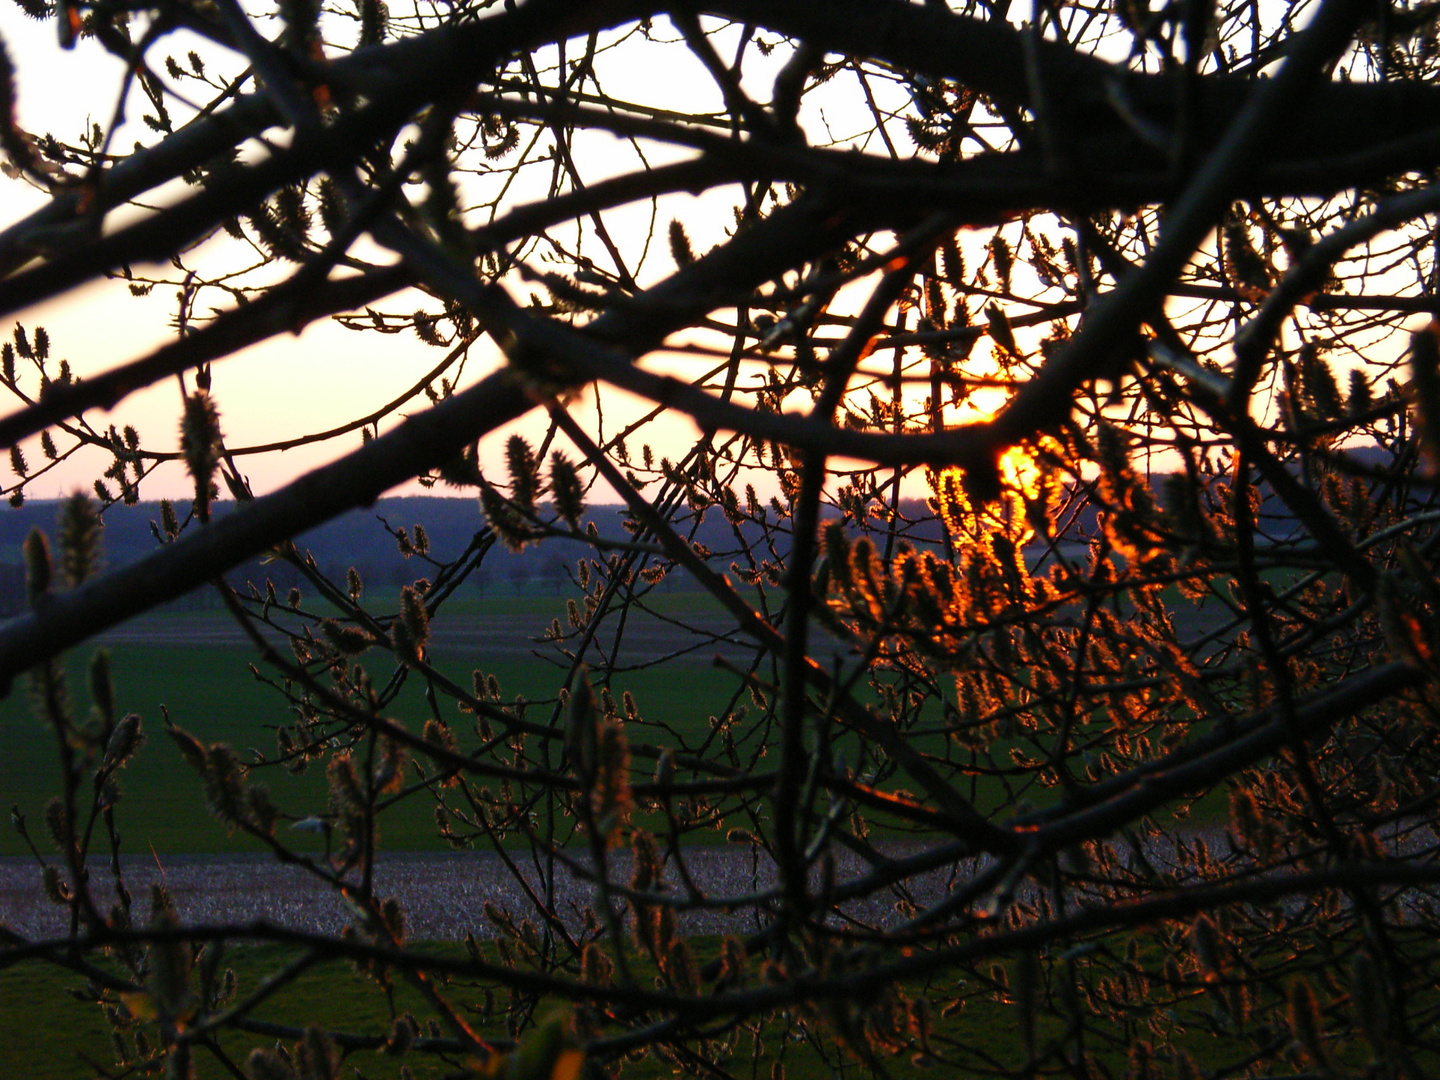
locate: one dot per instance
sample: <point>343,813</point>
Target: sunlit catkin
<point>566,489</point>
<point>123,742</point>
<point>509,525</point>
<point>410,632</point>
<point>200,447</point>
<point>225,785</point>
<point>38,567</point>
<point>524,472</point>
<point>610,796</point>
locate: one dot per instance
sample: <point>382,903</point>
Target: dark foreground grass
<point>48,1033</point>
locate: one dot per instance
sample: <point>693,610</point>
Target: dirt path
<point>443,894</point>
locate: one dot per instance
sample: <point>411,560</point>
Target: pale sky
<point>292,386</point>
<point>288,386</point>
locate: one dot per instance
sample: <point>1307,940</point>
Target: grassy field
<point>209,691</point>
<point>189,663</point>
<point>46,1034</point>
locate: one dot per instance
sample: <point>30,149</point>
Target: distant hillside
<point>360,539</point>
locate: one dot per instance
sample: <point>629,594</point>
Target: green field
<point>209,691</point>
<point>46,1034</point>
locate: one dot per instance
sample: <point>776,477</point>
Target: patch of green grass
<point>209,691</point>
<point>47,1032</point>
<point>547,602</point>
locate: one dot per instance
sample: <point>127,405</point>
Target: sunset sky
<point>286,387</point>
<point>293,386</point>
